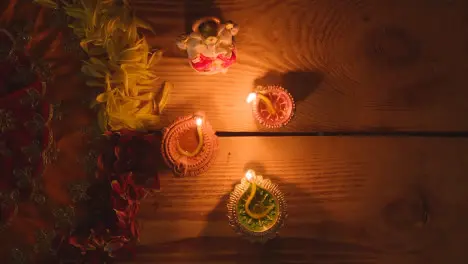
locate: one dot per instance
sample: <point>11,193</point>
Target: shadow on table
<point>213,246</point>
<point>198,9</point>
<point>299,83</point>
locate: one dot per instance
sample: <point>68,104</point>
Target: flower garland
<point>120,62</point>
<point>111,230</point>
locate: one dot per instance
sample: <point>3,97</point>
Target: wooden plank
<point>351,200</point>
<point>351,65</point>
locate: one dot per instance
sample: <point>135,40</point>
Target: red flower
<point>123,165</point>
<point>131,152</point>
<point>95,244</point>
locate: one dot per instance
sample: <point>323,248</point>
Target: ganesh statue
<point>210,46</point>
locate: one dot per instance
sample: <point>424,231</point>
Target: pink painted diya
<point>272,106</point>
<point>189,145</point>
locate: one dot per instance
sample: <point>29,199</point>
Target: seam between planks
<point>434,134</point>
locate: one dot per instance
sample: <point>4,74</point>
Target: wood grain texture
<point>352,65</point>
<point>350,200</point>
<point>366,65</point>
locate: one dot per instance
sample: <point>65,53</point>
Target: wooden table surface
<point>351,65</point>
<point>384,66</point>
<point>350,200</point>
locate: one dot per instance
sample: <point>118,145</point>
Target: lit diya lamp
<point>189,145</point>
<point>256,208</point>
<point>272,106</point>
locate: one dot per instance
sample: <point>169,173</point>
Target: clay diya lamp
<point>272,106</point>
<point>256,208</point>
<point>189,145</point>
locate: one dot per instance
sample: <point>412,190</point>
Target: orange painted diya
<point>189,145</point>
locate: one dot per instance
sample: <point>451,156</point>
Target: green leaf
<point>90,71</point>
<point>102,119</point>
<point>155,58</point>
<point>75,13</point>
<point>103,97</point>
<point>95,83</point>
<point>93,104</point>
<point>132,33</point>
<point>46,3</point>
<point>96,51</point>
<point>65,3</point>
<point>95,13</point>
<point>142,24</point>
<point>163,96</point>
<point>97,65</point>
<point>145,82</point>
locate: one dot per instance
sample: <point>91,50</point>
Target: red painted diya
<point>189,145</point>
<point>272,106</point>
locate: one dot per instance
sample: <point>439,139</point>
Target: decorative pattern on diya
<point>256,208</point>
<point>272,106</point>
<point>185,154</point>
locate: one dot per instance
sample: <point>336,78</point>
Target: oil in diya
<point>256,208</point>
<point>189,145</point>
<point>272,106</point>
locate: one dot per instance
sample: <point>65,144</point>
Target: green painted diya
<point>256,208</point>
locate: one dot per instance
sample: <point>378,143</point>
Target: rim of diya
<point>283,102</point>
<point>183,165</point>
<point>234,212</point>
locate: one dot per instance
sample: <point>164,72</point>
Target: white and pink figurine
<point>210,46</point>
